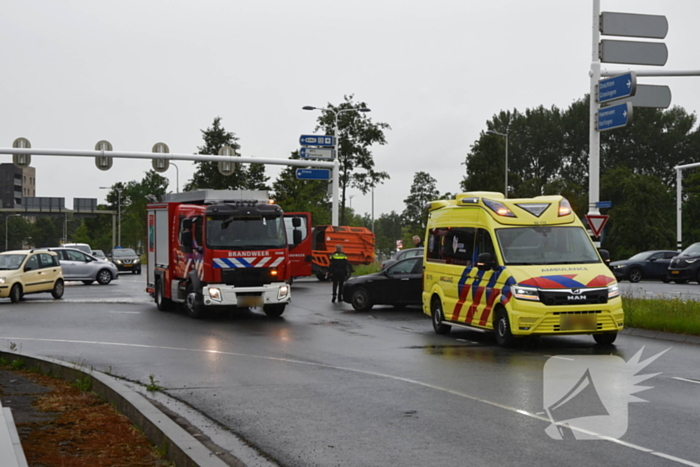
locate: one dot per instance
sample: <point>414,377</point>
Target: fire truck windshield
<point>257,233</point>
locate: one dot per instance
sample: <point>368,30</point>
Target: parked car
<point>25,272</point>
<point>84,247</point>
<point>402,254</point>
<point>400,285</point>
<point>686,266</point>
<point>126,259</point>
<point>99,254</point>
<point>80,266</point>
<point>645,265</point>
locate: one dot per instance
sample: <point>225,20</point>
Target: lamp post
<point>7,218</point>
<point>505,135</point>
<point>177,177</point>
<point>336,163</point>
<point>119,213</point>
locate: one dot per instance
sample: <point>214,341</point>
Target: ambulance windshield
<point>250,233</point>
<point>546,245</point>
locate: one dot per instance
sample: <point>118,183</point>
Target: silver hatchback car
<point>80,266</point>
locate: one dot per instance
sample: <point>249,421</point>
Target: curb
<point>661,335</point>
<point>181,448</point>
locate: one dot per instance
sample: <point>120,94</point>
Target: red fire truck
<point>218,248</point>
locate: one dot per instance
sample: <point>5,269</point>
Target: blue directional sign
<point>617,87</point>
<point>603,204</point>
<point>316,153</point>
<point>615,116</point>
<point>316,140</point>
<point>313,174</point>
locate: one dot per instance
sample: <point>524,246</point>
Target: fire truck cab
<point>218,248</point>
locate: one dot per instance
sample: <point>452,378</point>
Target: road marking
<point>686,380</point>
<point>379,375</point>
<point>125,312</point>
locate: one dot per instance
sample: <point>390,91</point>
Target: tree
<point>387,229</point>
<point>207,175</point>
<point>302,195</point>
<point>423,190</point>
<point>356,134</point>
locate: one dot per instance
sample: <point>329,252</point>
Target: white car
<point>80,266</point>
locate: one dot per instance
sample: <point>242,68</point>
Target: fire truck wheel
<point>162,303</point>
<point>193,304</point>
<point>605,339</point>
<point>274,311</point>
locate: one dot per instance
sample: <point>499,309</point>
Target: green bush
<point>362,269</point>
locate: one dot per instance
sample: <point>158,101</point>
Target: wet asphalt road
<point>326,385</point>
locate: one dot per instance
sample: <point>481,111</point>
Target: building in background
<point>16,183</point>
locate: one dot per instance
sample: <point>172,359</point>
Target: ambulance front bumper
<point>246,297</point>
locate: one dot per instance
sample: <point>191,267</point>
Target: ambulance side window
<point>484,244</point>
<point>452,245</point>
<point>435,245</point>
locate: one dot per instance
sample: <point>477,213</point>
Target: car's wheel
<point>104,277</point>
<point>665,280</point>
<point>88,282</point>
<point>162,303</point>
<point>697,277</point>
<point>274,311</point>
<point>605,339</point>
<point>16,293</point>
<point>504,336</point>
<point>57,291</point>
<point>681,281</point>
<point>438,317</point>
<point>193,303</point>
<point>635,275</point>
<point>360,299</point>
<point>138,272</point>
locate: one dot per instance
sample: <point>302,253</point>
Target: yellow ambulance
<point>518,267</point>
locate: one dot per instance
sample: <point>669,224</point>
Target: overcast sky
<point>139,72</point>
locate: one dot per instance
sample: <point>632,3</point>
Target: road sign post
<point>313,174</point>
<point>615,116</point>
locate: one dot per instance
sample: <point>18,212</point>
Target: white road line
<point>125,312</point>
<point>686,380</point>
<point>379,375</point>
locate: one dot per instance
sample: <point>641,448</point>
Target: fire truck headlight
<point>215,294</point>
<point>283,292</point>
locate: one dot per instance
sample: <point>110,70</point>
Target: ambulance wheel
<point>605,339</point>
<point>438,317</point>
<point>162,303</point>
<point>274,311</point>
<point>504,337</point>
<point>193,304</point>
<point>635,275</point>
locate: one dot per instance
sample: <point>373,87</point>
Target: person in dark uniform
<point>338,269</point>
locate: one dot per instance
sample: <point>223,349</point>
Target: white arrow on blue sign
<point>615,116</point>
<point>316,140</point>
<point>617,87</point>
<point>313,174</point>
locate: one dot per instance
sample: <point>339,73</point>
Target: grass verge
<point>669,315</point>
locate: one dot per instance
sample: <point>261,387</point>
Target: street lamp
<point>119,212</point>
<point>491,132</point>
<point>336,164</point>
<point>177,177</point>
<point>7,218</point>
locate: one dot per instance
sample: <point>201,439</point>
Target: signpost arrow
<point>615,116</point>
<point>633,25</point>
<point>617,87</point>
<point>313,174</point>
<point>596,222</point>
<point>651,96</point>
<point>633,52</point>
<point>316,140</point>
<point>316,153</point>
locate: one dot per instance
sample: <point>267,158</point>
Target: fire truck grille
<point>246,277</point>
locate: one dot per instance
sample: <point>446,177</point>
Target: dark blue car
<point>645,265</point>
